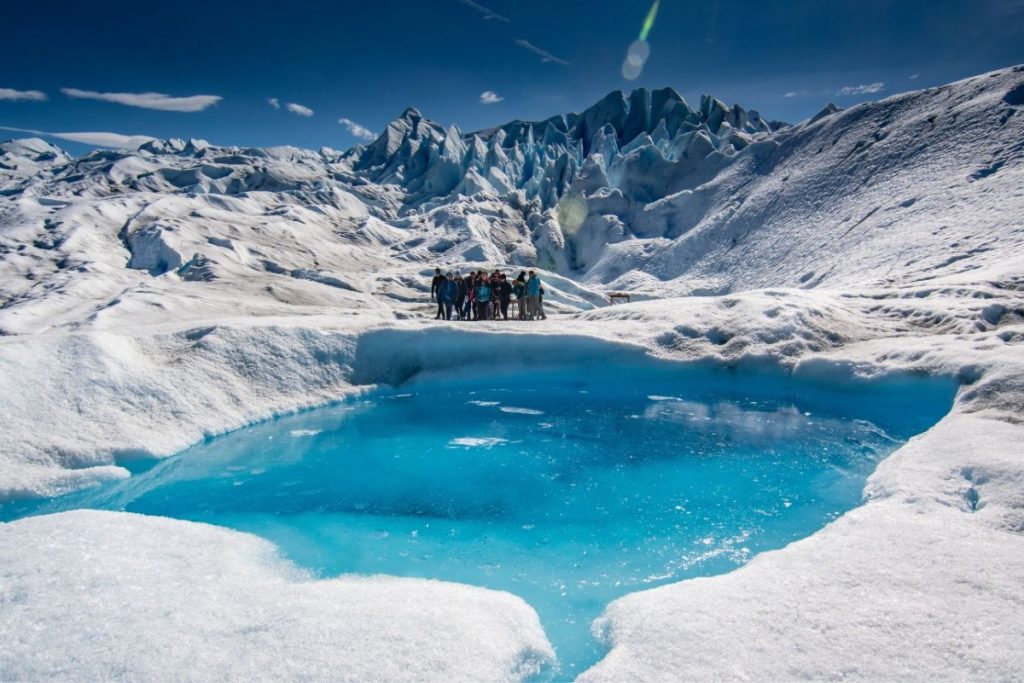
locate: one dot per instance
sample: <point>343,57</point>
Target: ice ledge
<point>123,596</point>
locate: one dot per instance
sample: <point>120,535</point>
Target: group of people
<point>480,296</point>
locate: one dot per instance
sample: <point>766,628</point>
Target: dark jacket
<point>435,283</point>
<point>503,290</point>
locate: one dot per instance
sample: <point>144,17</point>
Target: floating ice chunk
<point>521,411</point>
<point>483,403</point>
<point>476,442</point>
<point>297,433</point>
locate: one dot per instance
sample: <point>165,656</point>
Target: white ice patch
<point>483,403</point>
<point>476,442</point>
<point>298,433</point>
<point>521,411</point>
<point>175,599</point>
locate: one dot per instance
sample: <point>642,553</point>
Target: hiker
<point>495,292</point>
<point>434,285</point>
<point>540,304</point>
<point>532,296</point>
<point>483,296</point>
<point>471,296</point>
<point>519,290</point>
<point>447,291</point>
<point>504,295</point>
<point>460,296</point>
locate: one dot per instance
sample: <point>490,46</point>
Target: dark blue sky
<point>367,61</point>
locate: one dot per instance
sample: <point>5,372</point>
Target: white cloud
<point>12,95</point>
<point>98,139</point>
<point>485,12</point>
<point>914,76</point>
<point>361,132</point>
<point>298,109</point>
<point>790,94</point>
<point>274,102</point>
<point>147,100</point>
<point>490,97</point>
<point>544,55</point>
<point>868,89</point>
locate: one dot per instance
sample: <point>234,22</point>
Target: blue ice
<point>566,486</point>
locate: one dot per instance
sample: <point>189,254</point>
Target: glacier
<point>152,297</point>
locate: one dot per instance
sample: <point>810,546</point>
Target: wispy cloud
<point>868,89</point>
<point>487,14</point>
<point>357,130</point>
<point>914,77</point>
<point>98,139</point>
<point>147,100</point>
<point>791,94</point>
<point>544,55</point>
<point>11,95</point>
<point>274,102</point>
<point>490,97</point>
<point>298,109</point>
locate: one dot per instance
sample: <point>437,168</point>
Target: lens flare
<point>572,211</point>
<point>631,70</point>
<point>639,50</point>
<point>649,20</point>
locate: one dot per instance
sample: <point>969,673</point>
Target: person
<point>471,296</point>
<point>519,290</point>
<point>460,296</point>
<point>483,297</point>
<point>495,308</point>
<point>540,304</point>
<point>504,295</point>
<point>434,284</point>
<point>532,296</point>
<point>446,293</point>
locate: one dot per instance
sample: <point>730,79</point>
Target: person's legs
<point>440,309</point>
<point>540,308</point>
<point>448,310</point>
<point>504,308</point>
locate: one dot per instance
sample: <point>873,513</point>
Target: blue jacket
<point>483,293</point>
<point>447,291</point>
<point>533,286</point>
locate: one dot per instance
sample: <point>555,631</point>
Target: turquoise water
<point>567,487</point>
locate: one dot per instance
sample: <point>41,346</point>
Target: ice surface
<point>613,492</point>
<point>880,239</point>
<point>115,596</point>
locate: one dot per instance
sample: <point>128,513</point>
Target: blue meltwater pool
<point>567,487</point>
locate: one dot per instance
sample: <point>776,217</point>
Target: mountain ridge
<point>917,185</point>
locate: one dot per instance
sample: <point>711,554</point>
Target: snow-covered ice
<point>132,597</point>
<point>155,296</point>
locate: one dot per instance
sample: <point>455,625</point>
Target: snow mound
<point>120,596</point>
